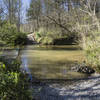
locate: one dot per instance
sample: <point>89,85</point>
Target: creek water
<point>52,62</point>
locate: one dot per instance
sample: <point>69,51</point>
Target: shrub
<point>45,36</point>
<point>47,41</point>
<point>10,35</point>
<point>20,38</point>
<point>89,30</point>
<point>14,84</point>
<point>6,32</point>
<point>92,50</point>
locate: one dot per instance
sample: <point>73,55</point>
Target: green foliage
<point>92,50</point>
<point>14,84</point>
<point>89,29</point>
<point>9,34</point>
<point>45,36</point>
<point>47,41</point>
<point>35,9</point>
<point>20,38</point>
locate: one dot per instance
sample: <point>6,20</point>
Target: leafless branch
<point>62,26</point>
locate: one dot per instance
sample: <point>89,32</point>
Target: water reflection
<point>47,63</point>
<point>64,71</point>
<point>25,66</point>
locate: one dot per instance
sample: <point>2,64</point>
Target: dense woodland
<point>53,22</point>
<point>59,19</point>
<point>10,21</point>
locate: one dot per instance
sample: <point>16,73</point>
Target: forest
<point>68,21</point>
<point>47,35</point>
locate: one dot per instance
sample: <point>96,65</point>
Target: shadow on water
<point>25,67</point>
<point>52,47</point>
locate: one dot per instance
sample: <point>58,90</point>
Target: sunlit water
<point>52,62</point>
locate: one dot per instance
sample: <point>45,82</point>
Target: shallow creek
<point>54,63</point>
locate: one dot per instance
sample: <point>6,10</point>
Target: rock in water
<point>82,68</point>
<point>86,70</point>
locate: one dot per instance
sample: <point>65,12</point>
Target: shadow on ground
<point>80,89</point>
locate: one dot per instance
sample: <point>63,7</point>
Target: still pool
<point>52,62</point>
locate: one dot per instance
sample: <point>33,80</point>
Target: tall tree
<point>19,14</point>
<point>13,10</point>
<point>35,10</point>
<point>11,7</point>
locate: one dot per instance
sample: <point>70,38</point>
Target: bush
<point>92,50</point>
<point>47,41</point>
<point>10,35</point>
<point>45,36</point>
<point>20,38</point>
<point>7,32</point>
<point>14,84</point>
<point>90,39</point>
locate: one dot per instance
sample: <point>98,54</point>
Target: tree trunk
<point>69,5</point>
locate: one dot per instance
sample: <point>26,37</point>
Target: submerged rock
<point>83,68</point>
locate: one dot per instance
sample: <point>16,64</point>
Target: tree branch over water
<point>62,26</point>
